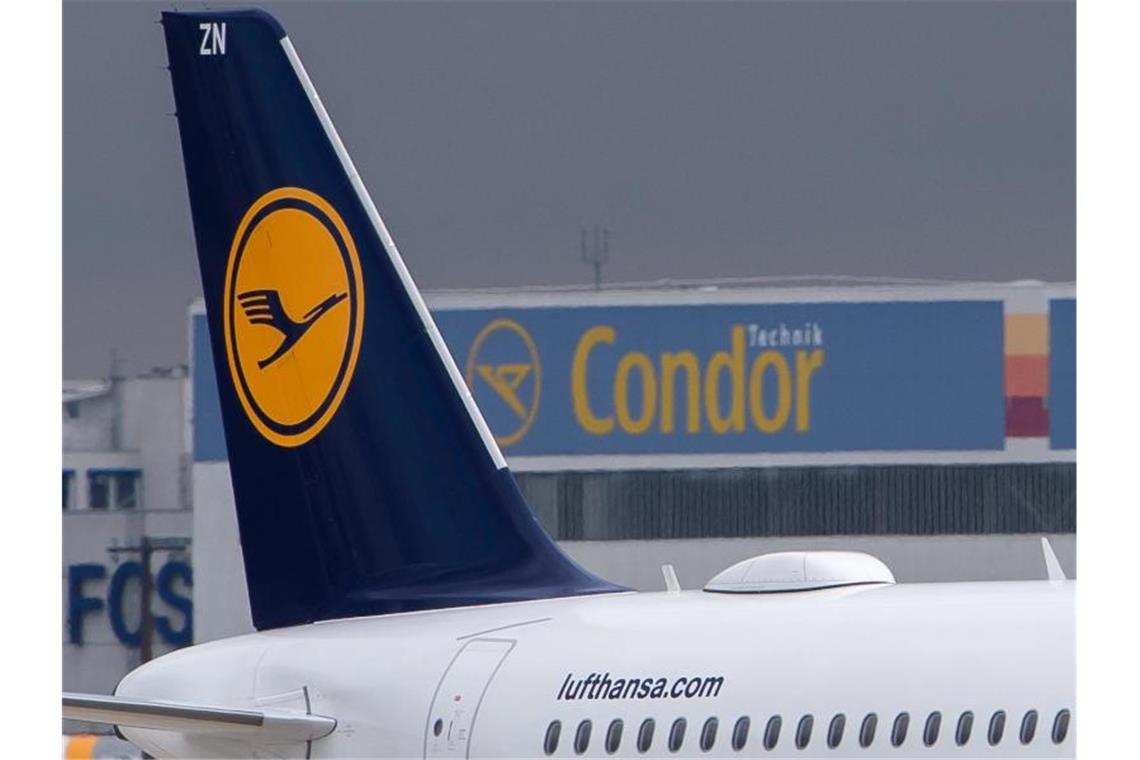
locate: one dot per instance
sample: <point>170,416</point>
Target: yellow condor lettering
<point>760,417</point>
<point>578,390</point>
<point>658,393</point>
<point>734,363</point>
<point>806,365</point>
<point>670,362</point>
<point>641,423</point>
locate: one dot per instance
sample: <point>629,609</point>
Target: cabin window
<point>930,731</point>
<point>549,744</point>
<point>997,728</point>
<point>645,735</point>
<point>772,732</point>
<point>677,734</point>
<point>867,730</point>
<point>582,737</point>
<point>708,734</point>
<point>740,733</point>
<point>1060,726</point>
<point>1028,727</point>
<point>898,730</point>
<point>835,730</point>
<point>965,726</point>
<point>613,736</point>
<point>803,731</point>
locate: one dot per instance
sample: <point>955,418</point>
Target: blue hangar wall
<point>668,413</point>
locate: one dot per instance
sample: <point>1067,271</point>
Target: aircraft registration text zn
<point>213,39</point>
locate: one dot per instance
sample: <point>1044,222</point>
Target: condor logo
<point>504,360</point>
<point>294,312</point>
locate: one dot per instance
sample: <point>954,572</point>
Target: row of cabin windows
<point>930,731</point>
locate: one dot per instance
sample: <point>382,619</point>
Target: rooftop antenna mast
<point>596,251</point>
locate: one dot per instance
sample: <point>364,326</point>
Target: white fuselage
<point>488,681</point>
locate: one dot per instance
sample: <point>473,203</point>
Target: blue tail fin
<point>365,478</point>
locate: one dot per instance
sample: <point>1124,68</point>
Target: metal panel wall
<point>806,501</point>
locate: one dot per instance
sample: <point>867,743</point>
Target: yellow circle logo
<point>293,314</point>
<point>503,357</point>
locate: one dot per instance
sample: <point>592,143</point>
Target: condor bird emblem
<point>504,358</point>
<point>263,307</point>
<point>294,313</point>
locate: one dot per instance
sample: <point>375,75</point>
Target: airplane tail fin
<point>365,478</point>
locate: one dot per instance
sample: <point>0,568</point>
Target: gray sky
<point>921,139</point>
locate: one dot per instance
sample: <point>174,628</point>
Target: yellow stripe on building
<point>1026,334</point>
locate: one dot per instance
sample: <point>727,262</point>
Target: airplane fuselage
<point>490,681</point>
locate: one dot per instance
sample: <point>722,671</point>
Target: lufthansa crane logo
<point>504,360</point>
<point>294,313</point>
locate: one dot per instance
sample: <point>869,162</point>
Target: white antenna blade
<point>1052,566</point>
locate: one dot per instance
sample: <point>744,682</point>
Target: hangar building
<point>933,425</point>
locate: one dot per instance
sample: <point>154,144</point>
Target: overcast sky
<point>923,139</point>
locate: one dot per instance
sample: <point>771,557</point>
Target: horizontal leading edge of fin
<point>268,725</point>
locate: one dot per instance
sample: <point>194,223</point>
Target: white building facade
<point>125,481</point>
